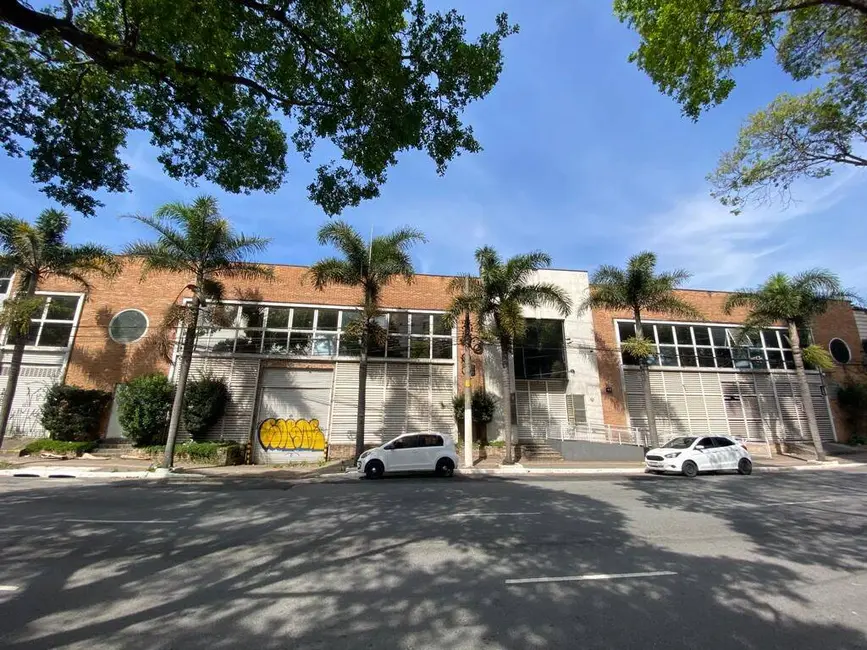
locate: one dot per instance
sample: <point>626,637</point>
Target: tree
<point>195,241</point>
<point>35,252</point>
<point>369,267</point>
<point>639,288</point>
<point>690,50</point>
<point>795,301</point>
<point>373,79</point>
<point>497,298</point>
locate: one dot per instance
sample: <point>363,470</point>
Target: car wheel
<point>689,469</point>
<point>445,467</point>
<point>374,469</point>
<point>745,466</point>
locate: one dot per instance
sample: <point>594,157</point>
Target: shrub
<point>852,398</point>
<point>483,406</point>
<point>143,409</point>
<point>60,446</point>
<point>202,451</point>
<point>204,403</point>
<point>73,414</point>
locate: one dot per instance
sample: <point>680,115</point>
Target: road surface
<point>760,562</point>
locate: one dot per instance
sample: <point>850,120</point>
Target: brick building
<point>280,347</point>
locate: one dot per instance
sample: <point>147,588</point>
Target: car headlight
<point>674,455</point>
<point>365,453</point>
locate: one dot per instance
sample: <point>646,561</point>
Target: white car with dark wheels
<point>690,455</point>
<point>411,452</point>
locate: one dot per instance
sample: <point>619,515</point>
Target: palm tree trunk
<point>14,369</point>
<point>362,399</point>
<point>507,400</point>
<point>184,362</point>
<point>653,440</point>
<point>806,396</point>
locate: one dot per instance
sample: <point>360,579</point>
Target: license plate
<point>652,463</point>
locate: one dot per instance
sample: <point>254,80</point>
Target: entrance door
<point>292,415</point>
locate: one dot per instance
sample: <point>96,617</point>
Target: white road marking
<point>591,577</point>
<point>493,514</point>
<point>8,588</point>
<point>122,521</point>
<point>787,503</point>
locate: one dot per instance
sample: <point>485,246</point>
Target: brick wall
<point>837,322</point>
<point>96,361</point>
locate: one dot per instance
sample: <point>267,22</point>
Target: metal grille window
<point>52,325</point>
<point>318,332</point>
<point>576,411</point>
<point>712,346</point>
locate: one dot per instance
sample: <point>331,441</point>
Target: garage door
<point>756,406</point>
<point>292,415</point>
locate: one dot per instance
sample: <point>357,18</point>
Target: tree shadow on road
<point>417,563</point>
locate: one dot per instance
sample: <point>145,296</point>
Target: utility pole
<point>468,386</point>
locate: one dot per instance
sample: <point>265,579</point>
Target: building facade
<point>293,374</point>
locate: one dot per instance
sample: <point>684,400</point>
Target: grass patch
<point>196,452</point>
<point>59,447</point>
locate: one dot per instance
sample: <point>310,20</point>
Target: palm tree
<point>794,301</point>
<point>196,241</point>
<point>497,298</point>
<point>639,288</point>
<point>35,252</point>
<point>369,267</point>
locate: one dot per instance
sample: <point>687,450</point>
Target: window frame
<point>43,319</point>
<point>848,350</point>
<point>123,311</point>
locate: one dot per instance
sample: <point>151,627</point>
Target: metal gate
<point>292,415</point>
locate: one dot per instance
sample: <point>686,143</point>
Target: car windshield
<point>679,443</point>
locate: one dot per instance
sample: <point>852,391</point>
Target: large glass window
<point>51,325</point>
<point>318,332</point>
<point>702,346</point>
<point>541,354</point>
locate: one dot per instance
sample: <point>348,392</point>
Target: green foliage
<point>205,402</point>
<point>196,452</point>
<point>817,358</point>
<point>17,312</point>
<point>640,349</point>
<point>73,414</point>
<point>484,406</point>
<point>370,79</point>
<point>143,408</point>
<point>639,288</point>
<point>60,447</point>
<point>691,49</point>
<point>852,398</point>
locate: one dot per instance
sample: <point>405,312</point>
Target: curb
<point>69,472</point>
<point>621,471</point>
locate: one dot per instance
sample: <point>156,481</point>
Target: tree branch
<point>113,56</point>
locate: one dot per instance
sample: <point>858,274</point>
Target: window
<point>51,326</point>
<point>702,346</point>
<point>576,411</point>
<point>408,442</point>
<point>840,351</point>
<point>707,443</point>
<point>723,442</point>
<point>127,326</point>
<point>431,440</point>
<point>5,281</point>
<point>418,336</point>
<point>542,352</point>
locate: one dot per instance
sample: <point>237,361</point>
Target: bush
<point>202,451</point>
<point>73,414</point>
<point>852,398</point>
<point>204,403</point>
<point>60,446</point>
<point>483,406</point>
<point>143,409</point>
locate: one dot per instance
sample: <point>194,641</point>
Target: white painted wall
<point>580,349</point>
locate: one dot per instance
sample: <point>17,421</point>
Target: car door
<point>433,447</point>
<point>704,457</point>
<point>402,457</point>
<point>727,450</point>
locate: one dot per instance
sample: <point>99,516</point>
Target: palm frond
<point>738,299</point>
<point>669,303</point>
<point>543,294</point>
<point>520,268</point>
<point>344,238</point>
<point>212,291</point>
<point>332,270</point>
<point>172,240</point>
<point>158,257</point>
<point>606,296</point>
<point>820,282</point>
<point>404,238</point>
<point>52,226</point>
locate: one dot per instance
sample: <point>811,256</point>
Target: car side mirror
<point>699,447</point>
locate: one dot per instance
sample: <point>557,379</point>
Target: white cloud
<point>726,251</point>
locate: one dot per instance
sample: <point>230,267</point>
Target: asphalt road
<point>760,562</point>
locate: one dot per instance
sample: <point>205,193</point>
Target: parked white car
<point>691,455</point>
<point>411,452</point>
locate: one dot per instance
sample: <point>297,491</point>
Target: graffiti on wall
<point>291,435</point>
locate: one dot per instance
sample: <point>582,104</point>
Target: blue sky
<point>583,158</point>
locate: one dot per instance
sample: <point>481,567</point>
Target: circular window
<point>840,351</point>
<point>128,326</point>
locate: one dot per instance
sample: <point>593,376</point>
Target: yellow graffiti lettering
<point>291,435</point>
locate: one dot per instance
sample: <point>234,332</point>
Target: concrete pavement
<point>767,561</point>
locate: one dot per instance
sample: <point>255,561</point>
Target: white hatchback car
<point>411,452</point>
<point>691,455</point>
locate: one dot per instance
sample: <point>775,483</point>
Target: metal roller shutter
<point>242,378</point>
